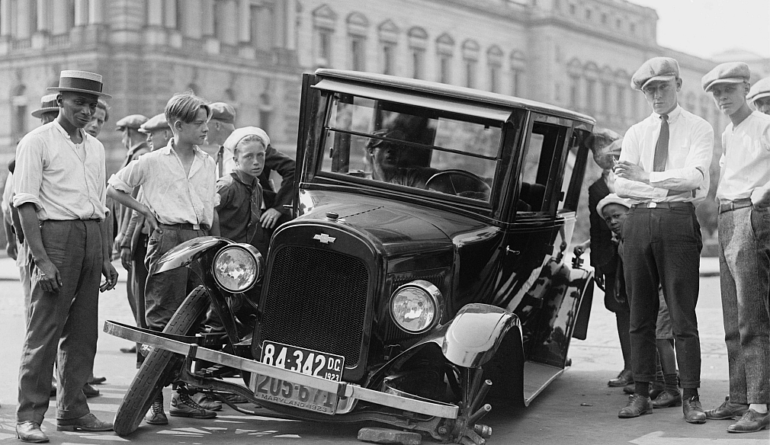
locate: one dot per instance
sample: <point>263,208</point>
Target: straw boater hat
<point>47,105</point>
<point>80,82</point>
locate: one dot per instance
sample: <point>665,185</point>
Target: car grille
<point>317,300</point>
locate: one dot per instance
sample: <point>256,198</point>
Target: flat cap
<point>155,123</point>
<point>222,112</point>
<point>657,68</point>
<point>731,72</point>
<point>759,90</point>
<point>612,198</point>
<point>132,121</point>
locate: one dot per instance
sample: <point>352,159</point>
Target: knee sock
<point>670,383</point>
<point>642,388</point>
<point>688,393</point>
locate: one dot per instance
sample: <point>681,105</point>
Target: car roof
<point>451,91</point>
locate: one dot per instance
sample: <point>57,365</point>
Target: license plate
<point>305,361</point>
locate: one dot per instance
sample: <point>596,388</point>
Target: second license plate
<point>305,361</point>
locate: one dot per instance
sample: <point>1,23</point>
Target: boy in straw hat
<point>60,194</point>
<point>744,248</point>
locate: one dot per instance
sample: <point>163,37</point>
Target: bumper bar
<point>342,389</point>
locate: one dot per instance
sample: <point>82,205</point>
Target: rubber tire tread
<point>158,367</point>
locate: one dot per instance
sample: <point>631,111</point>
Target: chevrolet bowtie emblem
<point>324,238</point>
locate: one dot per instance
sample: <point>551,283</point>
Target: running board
<point>536,377</point>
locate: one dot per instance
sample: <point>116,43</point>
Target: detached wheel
<point>160,367</point>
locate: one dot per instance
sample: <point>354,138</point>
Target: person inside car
<point>384,157</point>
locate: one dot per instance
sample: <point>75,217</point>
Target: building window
<point>572,9</point>
<point>574,92</point>
<point>445,69</point>
<point>324,22</point>
<point>418,62</point>
<point>388,58</point>
<point>604,19</point>
<point>418,43</point>
<point>470,57</point>
<point>494,63</point>
<point>588,14</point>
<point>633,28</point>
<point>494,79</point>
<point>470,73</point>
<point>606,92</point>
<point>618,23</point>
<point>324,48</point>
<point>591,95</point>
<point>518,64</point>
<point>357,54</point>
<point>515,83</point>
<point>19,115</point>
<point>621,101</point>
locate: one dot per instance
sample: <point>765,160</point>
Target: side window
<point>574,169</point>
<point>538,169</point>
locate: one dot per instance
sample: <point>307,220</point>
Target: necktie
<point>661,148</point>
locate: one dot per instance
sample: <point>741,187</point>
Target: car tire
<point>160,367</point>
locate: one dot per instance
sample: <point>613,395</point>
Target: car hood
<point>394,227</point>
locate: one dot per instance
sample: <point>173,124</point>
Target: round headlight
<point>237,267</point>
<point>416,306</point>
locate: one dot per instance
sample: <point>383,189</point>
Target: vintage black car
<point>425,263</point>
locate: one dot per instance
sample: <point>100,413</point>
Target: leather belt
<point>729,206</point>
<point>186,226</point>
<point>662,205</point>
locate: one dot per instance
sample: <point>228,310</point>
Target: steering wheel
<point>460,183</point>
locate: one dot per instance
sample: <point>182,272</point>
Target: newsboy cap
<point>759,90</point>
<point>132,121</point>
<point>657,68</point>
<point>222,112</point>
<point>612,198</point>
<point>731,72</point>
<point>80,82</point>
<point>47,105</point>
<point>155,123</point>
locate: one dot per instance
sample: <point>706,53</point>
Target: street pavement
<point>578,408</point>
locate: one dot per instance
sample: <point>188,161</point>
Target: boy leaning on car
<point>179,186</point>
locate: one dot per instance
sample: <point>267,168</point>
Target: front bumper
<point>342,389</point>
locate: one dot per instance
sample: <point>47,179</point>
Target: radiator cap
<point>332,216</point>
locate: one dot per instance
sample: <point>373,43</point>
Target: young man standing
<point>759,95</point>
<point>743,233</point>
<point>179,195</point>
<point>664,171</point>
<point>60,195</point>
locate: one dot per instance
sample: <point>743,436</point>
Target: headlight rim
<point>435,296</point>
<point>258,261</point>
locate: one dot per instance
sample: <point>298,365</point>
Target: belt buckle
<point>652,205</point>
<point>196,226</point>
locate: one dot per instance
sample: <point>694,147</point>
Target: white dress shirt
<point>64,180</point>
<point>745,162</point>
<point>690,146</point>
<point>173,196</point>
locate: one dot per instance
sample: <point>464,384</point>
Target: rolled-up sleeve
<point>626,188</point>
<point>696,166</point>
<point>28,175</point>
<point>130,176</point>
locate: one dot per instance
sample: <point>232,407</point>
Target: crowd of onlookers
<point>646,241</point>
<point>66,222</point>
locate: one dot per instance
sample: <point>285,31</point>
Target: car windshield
<point>410,146</point>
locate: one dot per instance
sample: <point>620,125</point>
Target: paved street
<point>576,409</point>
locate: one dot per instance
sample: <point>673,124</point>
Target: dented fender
<point>473,336</point>
<point>187,252</point>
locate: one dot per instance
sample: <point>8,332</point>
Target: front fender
<point>187,252</point>
<point>473,336</point>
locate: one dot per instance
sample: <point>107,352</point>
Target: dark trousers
<point>64,321</point>
<point>662,247</point>
<point>138,280</point>
<point>164,292</point>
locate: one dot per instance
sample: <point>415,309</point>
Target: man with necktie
<point>664,171</point>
